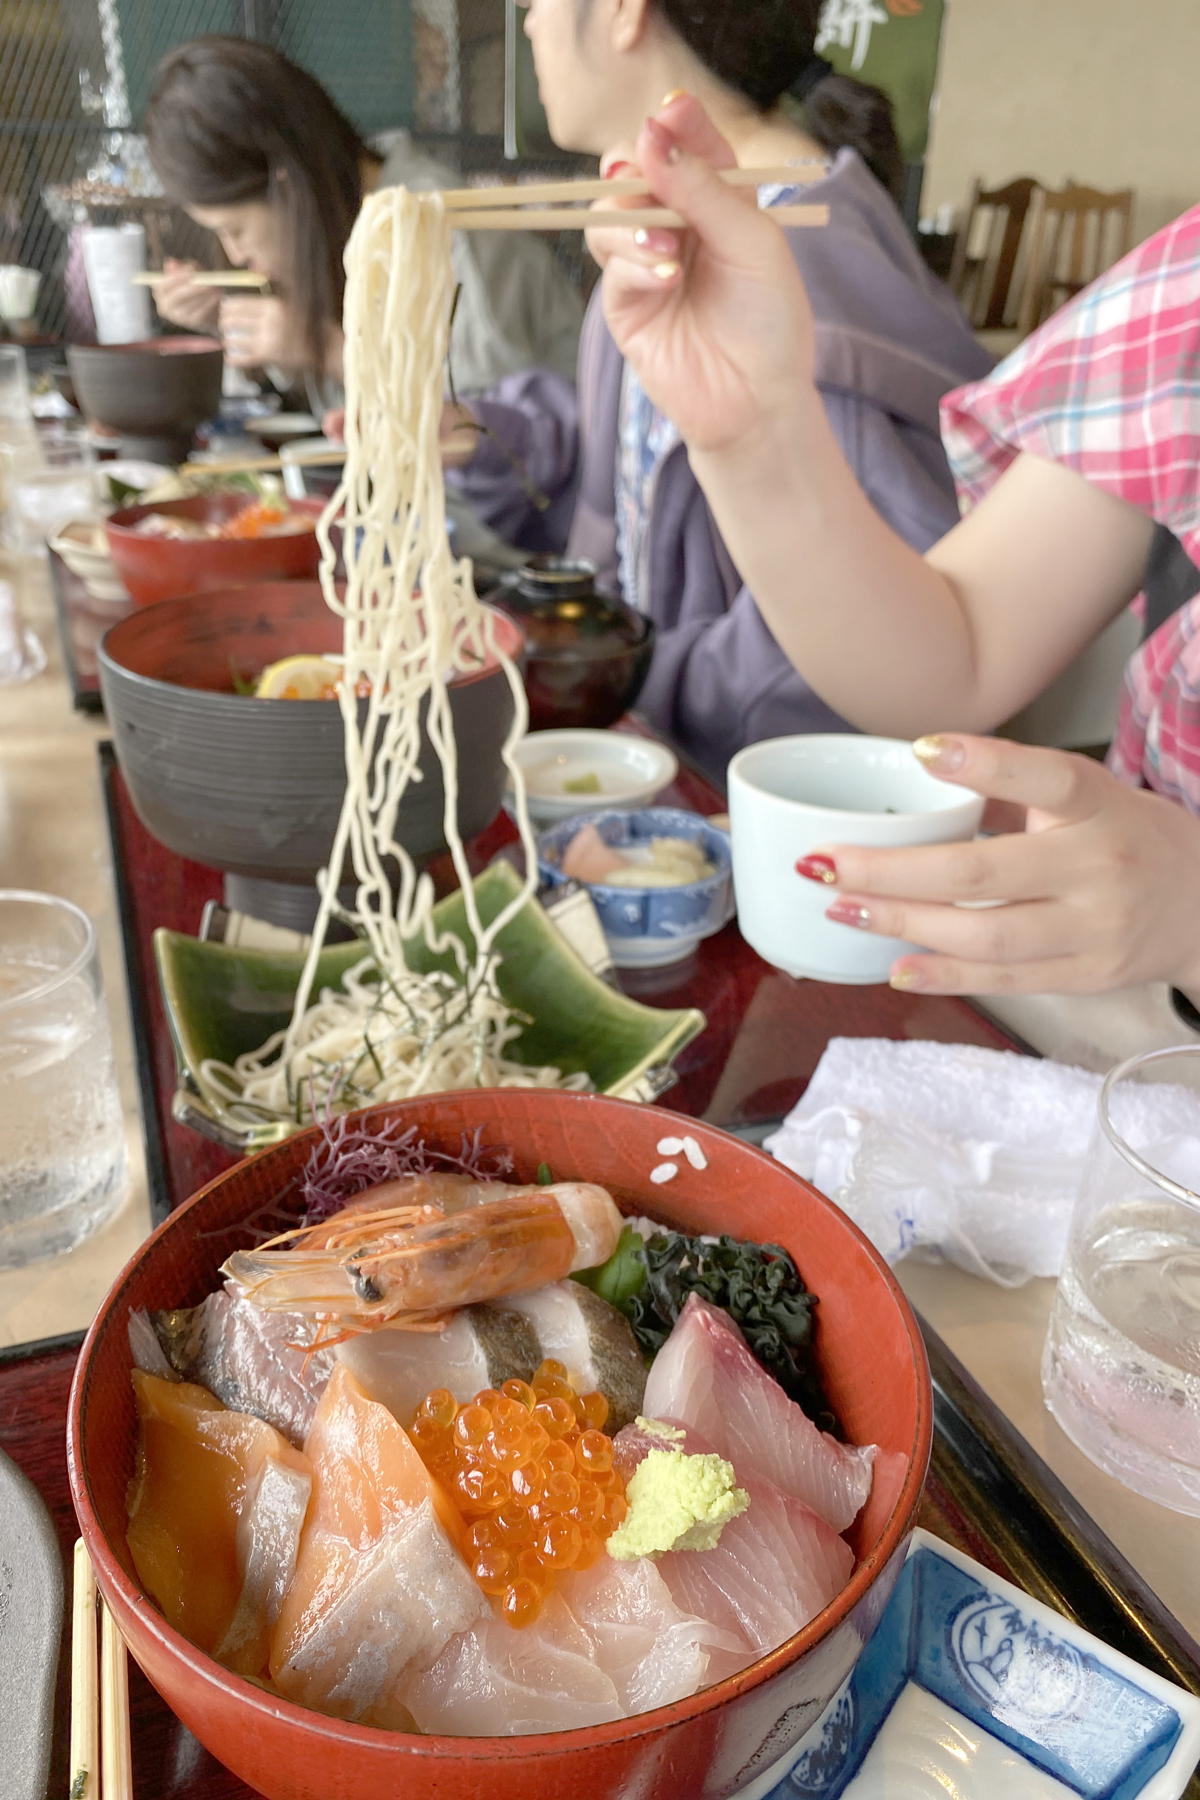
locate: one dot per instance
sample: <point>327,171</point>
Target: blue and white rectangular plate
<point>971,1690</point>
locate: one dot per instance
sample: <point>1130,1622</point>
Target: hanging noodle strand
<point>411,621</point>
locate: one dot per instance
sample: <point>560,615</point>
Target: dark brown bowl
<point>255,787</point>
<point>155,392</point>
<point>708,1747</point>
<point>587,653</point>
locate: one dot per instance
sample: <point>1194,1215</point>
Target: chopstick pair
<point>214,278</point>
<point>101,1752</point>
<point>534,206</point>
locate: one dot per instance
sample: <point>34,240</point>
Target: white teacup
<point>791,796</point>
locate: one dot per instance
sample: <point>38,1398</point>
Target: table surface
<point>764,1037</point>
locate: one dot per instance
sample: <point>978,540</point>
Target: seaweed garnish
<point>350,1157</point>
<point>758,1285</point>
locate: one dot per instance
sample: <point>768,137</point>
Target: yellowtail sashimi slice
<point>773,1568</point>
<point>380,1581</point>
<point>705,1377</point>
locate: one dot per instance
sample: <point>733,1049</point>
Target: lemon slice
<point>298,678</point>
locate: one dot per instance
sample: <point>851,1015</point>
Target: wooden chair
<point>987,250</point>
<point>1074,235</point>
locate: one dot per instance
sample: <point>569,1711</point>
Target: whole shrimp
<point>410,1252</point>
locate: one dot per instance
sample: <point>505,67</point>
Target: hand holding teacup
<point>793,804</point>
<point>1096,891</point>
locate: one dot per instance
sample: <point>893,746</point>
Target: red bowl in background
<point>705,1748</point>
<point>155,568</point>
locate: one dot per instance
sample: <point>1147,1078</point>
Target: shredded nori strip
<point>758,1285</point>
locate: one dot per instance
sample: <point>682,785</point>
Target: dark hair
<point>765,50</point>
<point>232,120</point>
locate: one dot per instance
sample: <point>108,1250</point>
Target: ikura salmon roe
<point>530,1472</point>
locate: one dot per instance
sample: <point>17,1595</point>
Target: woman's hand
<point>181,301</point>
<point>259,330</point>
<point>1101,888</point>
<point>714,320</point>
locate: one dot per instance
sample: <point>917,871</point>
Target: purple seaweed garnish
<point>351,1157</point>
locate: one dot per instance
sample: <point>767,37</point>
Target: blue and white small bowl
<point>647,928</point>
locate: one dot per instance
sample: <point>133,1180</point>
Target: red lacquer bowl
<point>156,568</point>
<point>705,1748</point>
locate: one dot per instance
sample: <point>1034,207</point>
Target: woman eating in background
<point>890,342</point>
<point>1077,455</point>
<point>257,152</point>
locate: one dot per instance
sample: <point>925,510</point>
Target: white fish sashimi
<point>408,1595</point>
<point>706,1377</point>
<point>268,1538</point>
<point>654,1651</point>
<point>493,1681</point>
<point>593,1341</point>
<point>773,1569</point>
<point>398,1368</point>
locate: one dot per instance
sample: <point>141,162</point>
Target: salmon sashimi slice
<point>215,1507</point>
<point>706,1377</point>
<point>772,1570</point>
<point>380,1579</point>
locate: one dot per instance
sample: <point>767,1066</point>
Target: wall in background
<point>1101,91</point>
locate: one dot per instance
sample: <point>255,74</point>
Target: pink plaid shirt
<point>1110,386</point>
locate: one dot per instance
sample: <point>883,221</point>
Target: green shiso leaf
<point>758,1285</point>
<point>622,1277</point>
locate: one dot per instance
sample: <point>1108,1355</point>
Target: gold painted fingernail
<point>675,94</point>
<point>904,979</point>
<point>666,271</point>
<point>940,753</point>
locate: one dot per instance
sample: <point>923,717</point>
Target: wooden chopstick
<point>543,193</point>
<point>85,1697</point>
<point>574,218</point>
<point>247,465</point>
<point>116,1751</point>
<point>101,1744</point>
<point>214,278</point>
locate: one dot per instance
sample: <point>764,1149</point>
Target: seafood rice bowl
<point>497,1443</point>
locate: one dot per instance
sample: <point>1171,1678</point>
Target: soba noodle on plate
<point>411,621</point>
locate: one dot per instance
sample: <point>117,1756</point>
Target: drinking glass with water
<point>62,1136</point>
<point>1121,1369</point>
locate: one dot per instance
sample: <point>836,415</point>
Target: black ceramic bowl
<point>154,393</point>
<point>254,787</point>
<point>587,653</point>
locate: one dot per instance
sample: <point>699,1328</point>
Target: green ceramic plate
<point>221,1002</point>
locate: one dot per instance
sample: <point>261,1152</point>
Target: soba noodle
<point>411,619</point>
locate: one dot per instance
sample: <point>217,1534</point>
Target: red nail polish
<point>849,912</point>
<point>615,169</point>
<point>817,868</point>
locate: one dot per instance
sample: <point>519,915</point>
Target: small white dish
<point>789,797</point>
<point>629,772</point>
<point>970,1687</point>
<point>283,427</point>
